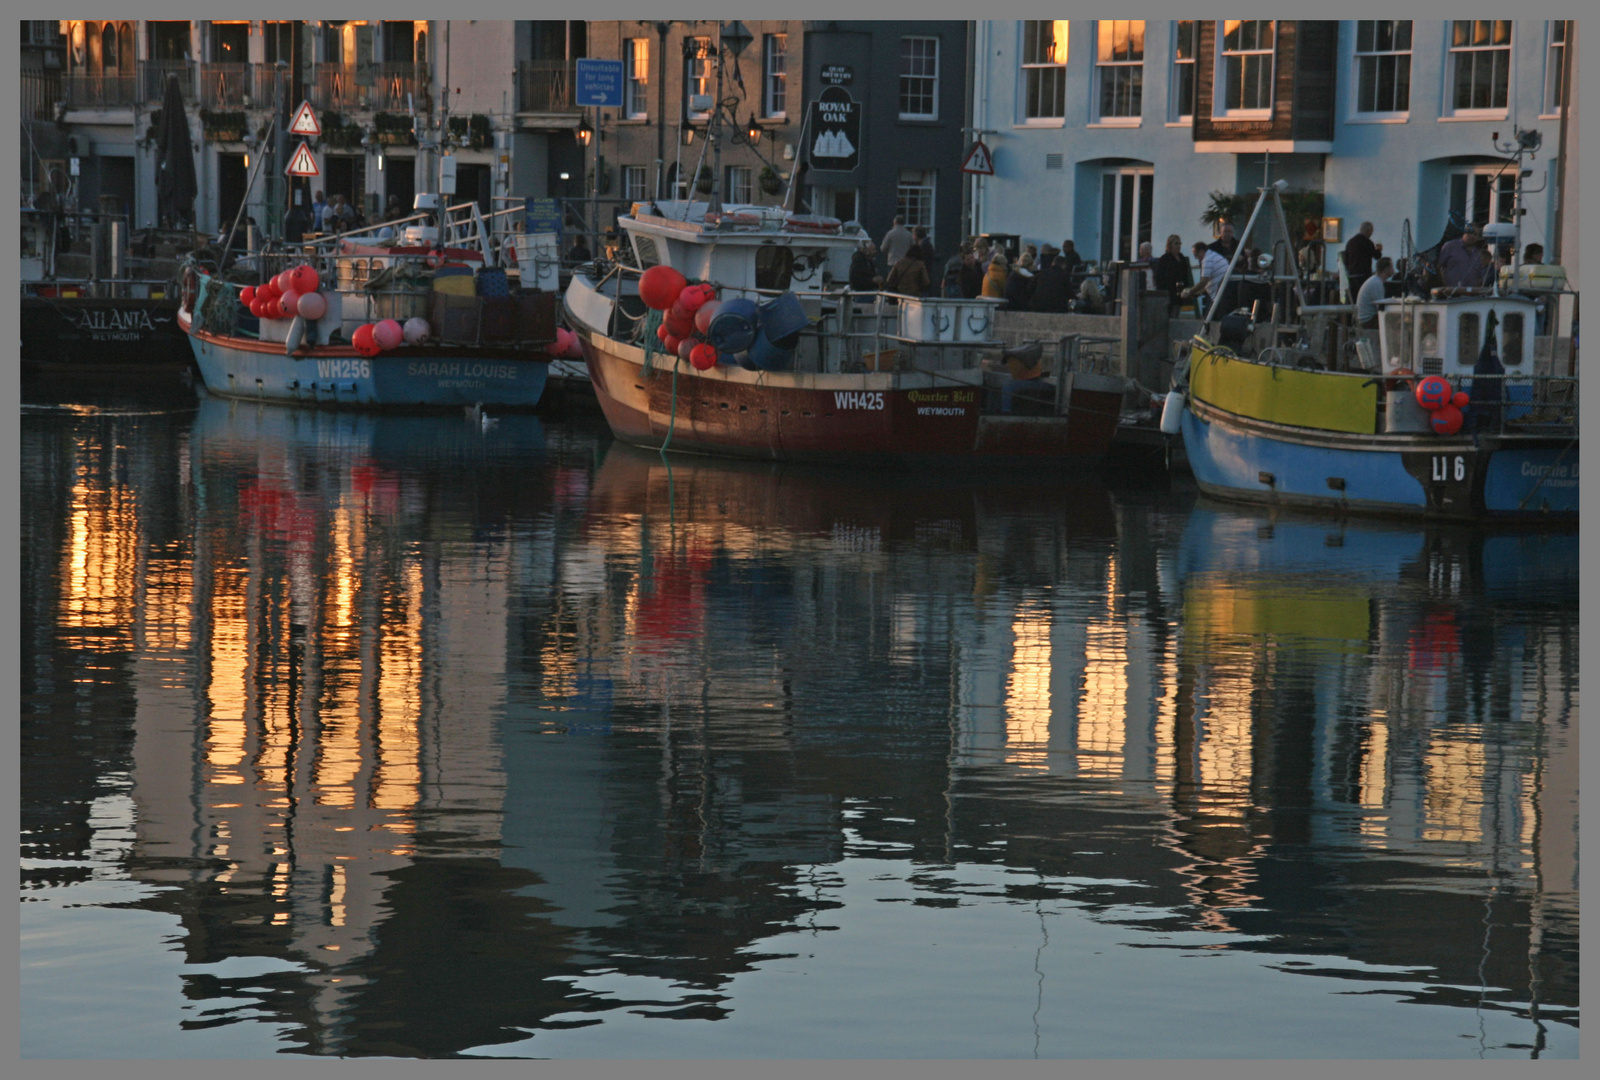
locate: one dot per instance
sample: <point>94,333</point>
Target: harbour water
<point>428,737</point>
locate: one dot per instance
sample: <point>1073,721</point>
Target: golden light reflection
<point>1028,687</point>
<point>1103,711</point>
<point>225,690</point>
<point>102,570</point>
<point>1455,773</point>
<point>398,774</point>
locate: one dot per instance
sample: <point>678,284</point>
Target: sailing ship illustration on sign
<point>837,121</point>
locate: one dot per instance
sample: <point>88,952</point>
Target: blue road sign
<point>542,216</point>
<point>600,82</point>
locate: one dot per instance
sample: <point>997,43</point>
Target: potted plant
<point>222,126</point>
<point>771,183</point>
<point>394,129</point>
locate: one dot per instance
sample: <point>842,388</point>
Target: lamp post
<point>585,135</point>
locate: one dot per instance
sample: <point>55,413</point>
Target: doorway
<point>346,174</point>
<point>231,188</point>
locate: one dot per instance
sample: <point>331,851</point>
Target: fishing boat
<point>101,313</point>
<point>832,375</point>
<point>1464,408</point>
<point>460,335</point>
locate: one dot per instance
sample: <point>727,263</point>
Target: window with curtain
<point>1480,65</point>
<point>1185,47</point>
<point>1044,69</point>
<point>1119,67</point>
<point>636,63</point>
<point>775,76</point>
<point>1245,66</point>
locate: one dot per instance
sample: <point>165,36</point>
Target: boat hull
<point>85,334</point>
<point>1456,478</point>
<point>437,376</point>
<point>880,417</point>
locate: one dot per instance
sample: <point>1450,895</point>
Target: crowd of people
<point>1054,279</point>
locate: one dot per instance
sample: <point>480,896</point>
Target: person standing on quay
<point>1172,273</point>
<point>897,241</point>
<point>1371,292</point>
<point>1358,256</point>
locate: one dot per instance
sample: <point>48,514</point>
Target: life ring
<point>1400,379</point>
<point>191,288</point>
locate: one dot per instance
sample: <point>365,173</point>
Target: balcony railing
<point>226,86</point>
<point>40,92</point>
<point>546,86</point>
<point>99,91</point>
<point>334,87</point>
<point>399,84</point>
<point>153,79</point>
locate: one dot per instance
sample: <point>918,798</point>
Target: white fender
<point>297,333</point>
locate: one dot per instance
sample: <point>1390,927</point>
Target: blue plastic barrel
<point>734,326</point>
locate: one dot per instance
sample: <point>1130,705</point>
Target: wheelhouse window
<point>1119,66</point>
<point>1185,47</point>
<point>1383,66</point>
<point>775,76</point>
<point>1244,67</point>
<point>636,64</point>
<point>919,78</point>
<point>1555,67</point>
<point>1480,65</point>
<point>697,76</point>
<point>1044,69</point>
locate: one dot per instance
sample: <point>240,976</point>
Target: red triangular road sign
<point>303,164</point>
<point>305,121</point>
<point>978,160</point>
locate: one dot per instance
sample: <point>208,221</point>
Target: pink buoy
<point>685,347</point>
<point>416,330</point>
<point>313,306</point>
<point>304,279</point>
<point>704,314</point>
<point>289,304</point>
<point>283,282</point>
<point>388,334</point>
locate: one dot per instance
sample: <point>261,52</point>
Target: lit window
<point>1044,69</point>
<point>1383,66</point>
<point>1119,64</point>
<point>1480,65</point>
<point>919,78</point>
<point>638,68</point>
<point>1245,67</point>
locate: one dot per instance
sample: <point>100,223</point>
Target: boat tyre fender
<point>191,288</point>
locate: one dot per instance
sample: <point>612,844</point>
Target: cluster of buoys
<point>689,311</point>
<point>370,339</point>
<point>293,292</point>
<point>1434,393</point>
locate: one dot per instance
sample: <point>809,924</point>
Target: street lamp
<point>753,131</point>
<point>585,133</point>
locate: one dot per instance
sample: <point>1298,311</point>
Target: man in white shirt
<point>1371,292</point>
<point>1213,268</point>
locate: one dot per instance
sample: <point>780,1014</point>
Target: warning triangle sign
<point>978,160</point>
<point>303,164</point>
<point>305,121</point>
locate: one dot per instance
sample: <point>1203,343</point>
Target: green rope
<point>652,323</point>
<point>673,422</point>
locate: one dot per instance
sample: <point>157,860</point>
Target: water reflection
<point>502,740</point>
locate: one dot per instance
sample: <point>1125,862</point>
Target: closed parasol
<point>175,182</point>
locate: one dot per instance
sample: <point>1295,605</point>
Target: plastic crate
<point>455,319</point>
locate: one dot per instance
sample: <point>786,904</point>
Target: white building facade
<point>1116,132</point>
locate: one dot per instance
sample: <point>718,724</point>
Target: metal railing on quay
<point>99,91</point>
<point>40,92</point>
<point>153,79</point>
<point>399,85</point>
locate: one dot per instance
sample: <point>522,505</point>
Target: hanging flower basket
<point>702,180</point>
<point>770,181</point>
